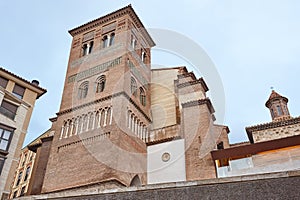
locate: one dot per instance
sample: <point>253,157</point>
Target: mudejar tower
<point>102,127</point>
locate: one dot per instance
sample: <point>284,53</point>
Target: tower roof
<point>275,96</point>
<point>111,16</point>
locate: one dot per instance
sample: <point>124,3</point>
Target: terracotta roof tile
<point>43,91</point>
<point>275,95</point>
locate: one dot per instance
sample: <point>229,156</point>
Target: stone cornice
<point>200,102</point>
<point>112,16</point>
<point>190,83</point>
<point>270,125</point>
<point>182,68</point>
<point>105,99</point>
<point>188,74</point>
<point>98,21</point>
<point>53,119</point>
<point>163,140</point>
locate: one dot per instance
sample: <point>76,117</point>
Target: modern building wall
<point>17,99</point>
<point>278,160</point>
<point>23,173</point>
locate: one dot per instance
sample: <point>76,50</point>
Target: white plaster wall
<point>163,98</point>
<point>170,171</point>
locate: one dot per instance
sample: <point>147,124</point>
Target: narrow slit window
<point>279,110</point>
<point>19,179</point>
<point>144,55</point>
<point>133,86</point>
<point>91,45</point>
<point>27,174</point>
<point>142,97</point>
<point>1,164</point>
<point>84,49</point>
<point>104,41</point>
<point>112,39</point>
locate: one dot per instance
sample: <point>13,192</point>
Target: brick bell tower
<point>277,105</point>
<point>102,126</point>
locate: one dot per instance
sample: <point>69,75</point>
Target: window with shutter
<point>3,82</point>
<point>18,91</point>
<point>8,109</point>
<point>1,164</point>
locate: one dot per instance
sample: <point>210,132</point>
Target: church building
<point>121,123</point>
<point>272,147</point>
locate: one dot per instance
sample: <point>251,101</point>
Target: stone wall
<point>283,185</point>
<point>276,133</point>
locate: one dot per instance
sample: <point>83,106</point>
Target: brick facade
<point>113,106</point>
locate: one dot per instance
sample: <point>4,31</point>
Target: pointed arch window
<point>100,83</point>
<point>142,96</point>
<point>83,90</point>
<point>133,86</point>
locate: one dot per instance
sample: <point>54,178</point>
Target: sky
<point>254,45</point>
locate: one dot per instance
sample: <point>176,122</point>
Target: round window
<point>165,157</point>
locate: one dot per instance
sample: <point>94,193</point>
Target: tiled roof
<point>275,95</point>
<point>37,140</point>
<point>43,91</point>
<point>117,13</point>
<point>270,125</point>
<point>239,144</point>
<point>98,19</point>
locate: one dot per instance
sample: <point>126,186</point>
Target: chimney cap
<point>35,82</point>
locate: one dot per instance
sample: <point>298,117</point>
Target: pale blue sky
<point>254,45</point>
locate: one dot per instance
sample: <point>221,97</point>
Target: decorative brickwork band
<point>200,102</point>
<point>201,81</point>
<point>105,99</point>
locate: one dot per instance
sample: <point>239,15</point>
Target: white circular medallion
<point>165,157</point>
